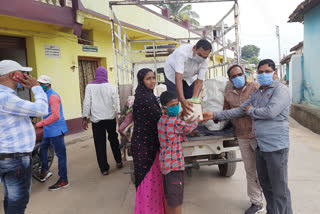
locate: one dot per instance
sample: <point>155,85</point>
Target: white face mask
<point>198,59</point>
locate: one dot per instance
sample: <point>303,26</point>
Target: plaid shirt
<point>16,131</point>
<point>171,132</point>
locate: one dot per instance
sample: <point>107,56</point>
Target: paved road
<point>205,191</point>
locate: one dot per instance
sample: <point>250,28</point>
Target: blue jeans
<point>16,175</point>
<point>60,150</point>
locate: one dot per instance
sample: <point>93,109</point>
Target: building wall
<point>311,56</point>
<point>65,80</point>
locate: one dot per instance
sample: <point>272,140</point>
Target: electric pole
<point>278,36</point>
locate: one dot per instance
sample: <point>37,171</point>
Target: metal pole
<point>224,51</point>
<point>120,54</point>
<point>236,22</point>
<point>130,62</point>
<point>125,58</point>
<point>167,39</point>
<point>213,55</point>
<point>157,2</point>
<point>278,36</point>
<point>155,62</point>
<point>115,60</point>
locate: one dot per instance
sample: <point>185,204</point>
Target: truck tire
<point>228,169</point>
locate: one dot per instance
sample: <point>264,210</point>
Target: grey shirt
<point>269,114</point>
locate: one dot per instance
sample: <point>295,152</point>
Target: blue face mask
<point>173,111</point>
<point>265,79</point>
<point>44,87</point>
<point>19,86</point>
<point>238,82</point>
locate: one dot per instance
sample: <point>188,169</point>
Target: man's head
<point>45,82</point>
<point>170,103</point>
<point>10,71</point>
<point>267,72</point>
<point>237,76</point>
<point>201,50</point>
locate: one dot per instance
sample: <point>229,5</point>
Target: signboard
<point>89,48</point>
<point>52,51</point>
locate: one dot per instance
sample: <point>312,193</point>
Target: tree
<point>253,60</point>
<point>183,12</point>
<point>249,51</point>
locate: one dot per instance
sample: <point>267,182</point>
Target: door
<point>87,70</point>
<point>14,48</point>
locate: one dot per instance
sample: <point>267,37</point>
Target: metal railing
<point>122,43</point>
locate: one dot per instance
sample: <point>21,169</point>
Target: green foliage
<point>249,51</point>
<point>253,60</point>
<point>183,12</point>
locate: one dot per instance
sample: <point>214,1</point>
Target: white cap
<point>8,66</point>
<point>44,79</point>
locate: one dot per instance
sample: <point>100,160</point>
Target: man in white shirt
<point>185,71</point>
<point>101,106</point>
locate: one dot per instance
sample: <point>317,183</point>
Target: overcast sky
<point>258,19</point>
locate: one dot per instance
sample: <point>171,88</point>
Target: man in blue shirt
<point>17,134</point>
<point>54,129</point>
<point>268,108</point>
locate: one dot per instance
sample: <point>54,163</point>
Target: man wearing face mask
<point>17,135</point>
<point>54,129</point>
<point>185,71</point>
<point>234,98</point>
<point>268,108</point>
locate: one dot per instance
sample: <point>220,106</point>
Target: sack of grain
<point>214,100</point>
<point>197,110</point>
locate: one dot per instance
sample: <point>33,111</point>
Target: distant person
<point>268,107</point>
<point>17,134</point>
<point>100,105</point>
<point>145,147</point>
<point>172,131</point>
<point>185,70</point>
<point>54,129</point>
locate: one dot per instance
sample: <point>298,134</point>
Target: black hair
<point>234,66</point>
<point>204,44</point>
<point>269,62</point>
<point>166,97</point>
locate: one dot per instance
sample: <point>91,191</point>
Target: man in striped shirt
<point>17,135</point>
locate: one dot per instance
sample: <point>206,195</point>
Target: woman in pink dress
<point>145,147</point>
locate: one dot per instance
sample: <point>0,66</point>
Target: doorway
<point>14,48</point>
<point>87,70</point>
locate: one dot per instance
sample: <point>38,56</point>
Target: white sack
<point>214,91</point>
<point>197,112</point>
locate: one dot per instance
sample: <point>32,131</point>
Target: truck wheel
<point>228,169</point>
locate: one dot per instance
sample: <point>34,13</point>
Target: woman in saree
<point>145,147</point>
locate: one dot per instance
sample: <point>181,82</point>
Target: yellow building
<point>68,39</point>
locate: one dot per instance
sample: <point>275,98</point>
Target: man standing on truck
<point>268,108</point>
<point>185,70</point>
<point>233,98</point>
